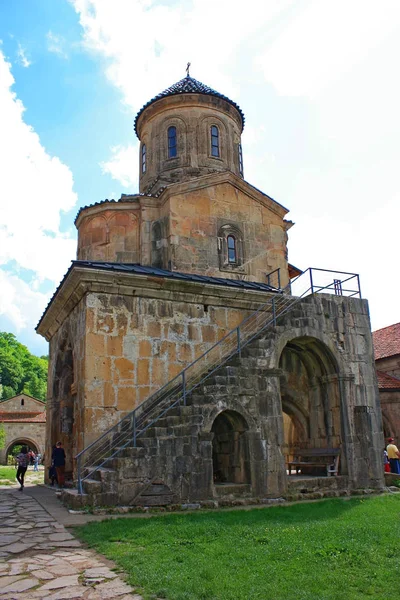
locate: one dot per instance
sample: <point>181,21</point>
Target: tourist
<point>36,462</point>
<point>393,455</point>
<point>22,461</point>
<point>386,462</point>
<point>58,461</point>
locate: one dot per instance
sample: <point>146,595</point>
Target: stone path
<point>39,558</point>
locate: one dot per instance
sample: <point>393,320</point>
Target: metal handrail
<point>175,392</point>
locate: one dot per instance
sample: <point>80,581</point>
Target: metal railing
<point>126,432</point>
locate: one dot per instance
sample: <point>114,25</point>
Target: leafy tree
<point>2,436</point>
<point>21,371</point>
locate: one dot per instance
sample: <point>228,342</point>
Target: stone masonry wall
<point>134,345</point>
<point>66,387</point>
<point>23,432</point>
<point>177,450</point>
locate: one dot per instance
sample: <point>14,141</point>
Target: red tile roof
<point>387,341</point>
<point>387,382</point>
<point>23,417</point>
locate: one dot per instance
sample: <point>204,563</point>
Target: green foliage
<point>2,436</point>
<point>21,371</point>
<point>330,550</point>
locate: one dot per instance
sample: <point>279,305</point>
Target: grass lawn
<point>7,475</point>
<point>330,550</point>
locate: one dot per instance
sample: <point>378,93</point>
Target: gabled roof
<point>188,85</point>
<point>387,382</point>
<point>387,341</point>
<point>22,417</point>
<point>22,396</point>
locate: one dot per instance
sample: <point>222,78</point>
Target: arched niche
<point>310,394</point>
<point>63,402</point>
<point>230,449</point>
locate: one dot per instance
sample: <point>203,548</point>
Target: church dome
<point>189,85</point>
<point>187,131</point>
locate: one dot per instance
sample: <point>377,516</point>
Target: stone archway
<point>230,449</point>
<point>310,393</point>
<point>23,441</point>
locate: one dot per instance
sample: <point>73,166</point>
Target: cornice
<point>94,209</point>
<point>80,281</point>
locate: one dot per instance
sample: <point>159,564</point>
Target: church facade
<point>161,277</point>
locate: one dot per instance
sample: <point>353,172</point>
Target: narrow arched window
<point>240,159</point>
<point>214,141</point>
<point>144,158</point>
<point>172,148</point>
<point>232,254</point>
<point>22,402</point>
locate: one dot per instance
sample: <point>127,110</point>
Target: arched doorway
<point>310,395</point>
<point>14,447</point>
<point>230,448</point>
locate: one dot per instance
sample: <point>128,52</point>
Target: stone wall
<point>66,387</point>
<point>32,434</point>
<point>134,345</point>
<point>332,337</point>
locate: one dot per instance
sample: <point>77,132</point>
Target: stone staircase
<point>135,476</point>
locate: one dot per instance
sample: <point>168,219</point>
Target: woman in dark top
<point>58,461</point>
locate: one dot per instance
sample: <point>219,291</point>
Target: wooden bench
<point>315,457</point>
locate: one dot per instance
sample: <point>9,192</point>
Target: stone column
<point>267,460</point>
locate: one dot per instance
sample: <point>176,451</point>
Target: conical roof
<point>188,85</point>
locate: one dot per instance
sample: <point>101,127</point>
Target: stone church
<point>184,366</point>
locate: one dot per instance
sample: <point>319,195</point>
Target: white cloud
<point>122,166</point>
<point>56,44</point>
<point>22,59</point>
<point>35,187</point>
<point>21,304</point>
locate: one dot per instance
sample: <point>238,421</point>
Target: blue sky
<point>317,82</point>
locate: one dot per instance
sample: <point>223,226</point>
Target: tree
<point>2,436</point>
<point>21,371</point>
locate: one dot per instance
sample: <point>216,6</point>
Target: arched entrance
<point>310,395</point>
<point>14,447</point>
<point>230,448</point>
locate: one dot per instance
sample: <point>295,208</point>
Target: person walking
<point>22,462</point>
<point>393,455</point>
<point>36,462</point>
<point>58,461</point>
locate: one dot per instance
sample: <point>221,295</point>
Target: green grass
<point>331,550</point>
<point>7,475</point>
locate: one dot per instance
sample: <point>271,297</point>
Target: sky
<point>318,83</point>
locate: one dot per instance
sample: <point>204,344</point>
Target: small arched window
<point>172,147</point>
<point>22,402</point>
<point>230,248</point>
<point>232,254</point>
<point>240,159</point>
<point>214,141</point>
<point>144,158</point>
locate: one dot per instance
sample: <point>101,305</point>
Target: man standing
<point>393,455</point>
<point>58,461</point>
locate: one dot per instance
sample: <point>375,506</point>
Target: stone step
<point>232,489</point>
<point>92,486</point>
